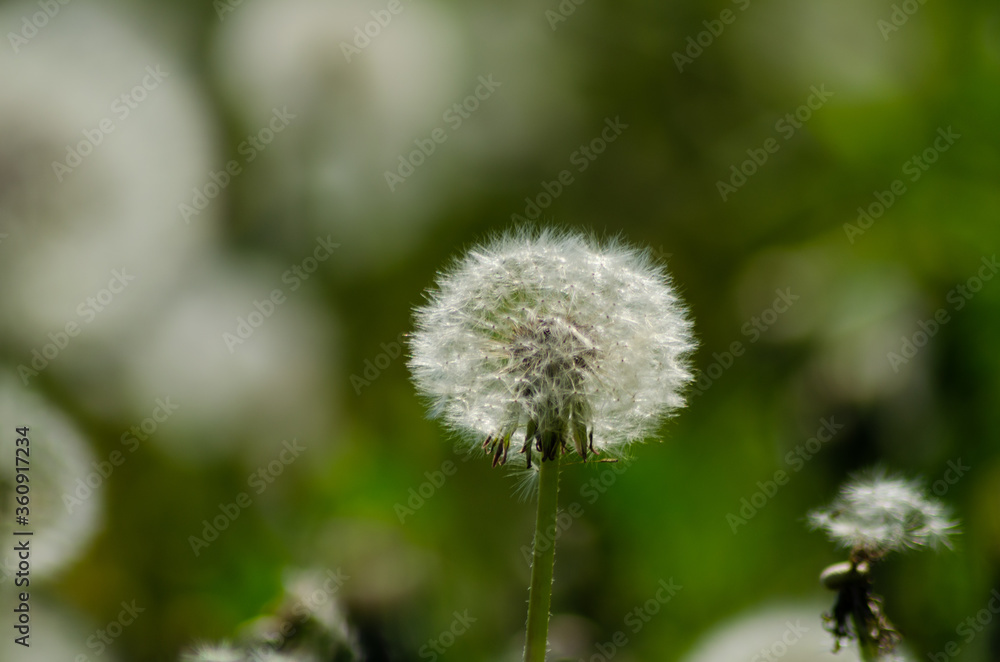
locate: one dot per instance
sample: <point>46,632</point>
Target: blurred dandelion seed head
<point>65,511</point>
<point>64,627</point>
<point>875,514</point>
<point>553,335</point>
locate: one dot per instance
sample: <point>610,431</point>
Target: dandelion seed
<point>549,340</point>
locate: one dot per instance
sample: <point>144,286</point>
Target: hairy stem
<point>543,561</point>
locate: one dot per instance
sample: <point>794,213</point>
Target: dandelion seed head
<point>875,514</point>
<point>64,519</point>
<point>551,337</point>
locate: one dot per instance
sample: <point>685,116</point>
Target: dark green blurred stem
<point>543,561</point>
<point>867,647</point>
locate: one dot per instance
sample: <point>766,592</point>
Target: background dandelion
<point>65,514</point>
<point>875,514</point>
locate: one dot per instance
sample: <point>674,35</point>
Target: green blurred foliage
<point>665,515</point>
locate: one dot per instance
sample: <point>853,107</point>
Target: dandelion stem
<point>866,645</point>
<point>868,651</point>
<point>543,561</point>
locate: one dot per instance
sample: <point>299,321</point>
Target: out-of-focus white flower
<point>543,338</point>
<point>875,514</point>
<point>369,88</point>
<point>314,56</point>
<point>386,570</point>
<point>308,625</point>
<point>309,622</point>
<point>59,460</point>
<point>791,633</point>
<point>359,104</point>
<point>828,49</point>
<point>104,136</point>
<point>314,595</point>
<point>243,372</point>
<point>850,309</point>
<point>65,632</point>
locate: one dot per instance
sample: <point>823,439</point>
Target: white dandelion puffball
<point>65,630</point>
<point>65,498</point>
<point>875,514</point>
<point>357,112</point>
<point>236,376</point>
<point>104,133</point>
<point>540,338</point>
<point>313,595</point>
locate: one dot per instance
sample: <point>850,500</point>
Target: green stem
<point>543,561</point>
<point>867,647</point>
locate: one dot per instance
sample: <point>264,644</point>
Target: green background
<point>656,185</point>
